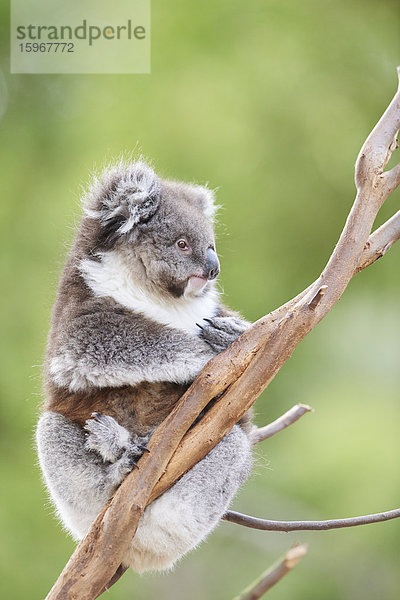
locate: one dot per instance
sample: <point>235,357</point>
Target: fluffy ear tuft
<point>206,199</point>
<point>123,196</point>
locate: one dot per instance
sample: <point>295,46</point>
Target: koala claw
<point>210,321</point>
<point>144,448</point>
<point>132,462</point>
<point>134,452</point>
<point>220,332</point>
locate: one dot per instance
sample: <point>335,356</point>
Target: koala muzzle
<point>211,268</point>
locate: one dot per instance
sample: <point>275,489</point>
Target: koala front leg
<point>112,349</point>
<point>220,332</point>
<point>82,471</point>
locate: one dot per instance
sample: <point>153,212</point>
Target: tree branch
<point>380,242</point>
<point>267,525</point>
<point>239,374</point>
<point>259,434</point>
<point>274,574</point>
<point>280,337</point>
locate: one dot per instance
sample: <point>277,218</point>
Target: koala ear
<point>123,196</point>
<point>205,198</point>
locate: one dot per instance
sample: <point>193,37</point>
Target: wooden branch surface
<point>240,374</point>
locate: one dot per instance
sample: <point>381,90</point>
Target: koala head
<point>160,230</point>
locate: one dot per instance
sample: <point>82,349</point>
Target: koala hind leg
<point>109,439</point>
<point>183,516</point>
<point>81,479</point>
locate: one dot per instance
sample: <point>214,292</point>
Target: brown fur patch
<point>140,409</point>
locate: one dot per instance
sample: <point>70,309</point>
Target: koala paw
<point>220,332</point>
<point>112,441</point>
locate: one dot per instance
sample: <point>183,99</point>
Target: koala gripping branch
<point>239,374</point>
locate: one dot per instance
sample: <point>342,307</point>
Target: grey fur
<point>112,441</point>
<point>114,346</point>
<point>124,196</point>
<point>136,317</point>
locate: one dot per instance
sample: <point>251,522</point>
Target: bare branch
<point>274,574</point>
<point>259,434</point>
<point>380,242</point>
<point>378,147</point>
<point>267,525</point>
<point>391,178</point>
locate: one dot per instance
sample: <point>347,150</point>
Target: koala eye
<point>183,245</point>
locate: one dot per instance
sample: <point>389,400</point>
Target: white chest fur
<point>111,277</point>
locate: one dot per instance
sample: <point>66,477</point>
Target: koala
<point>136,318</point>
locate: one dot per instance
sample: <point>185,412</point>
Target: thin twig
<point>274,574</point>
<point>267,525</point>
<point>259,434</point>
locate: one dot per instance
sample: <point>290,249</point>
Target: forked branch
<point>239,374</point>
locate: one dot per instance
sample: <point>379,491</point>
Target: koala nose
<point>212,264</point>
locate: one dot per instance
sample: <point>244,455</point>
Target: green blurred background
<point>270,102</point>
